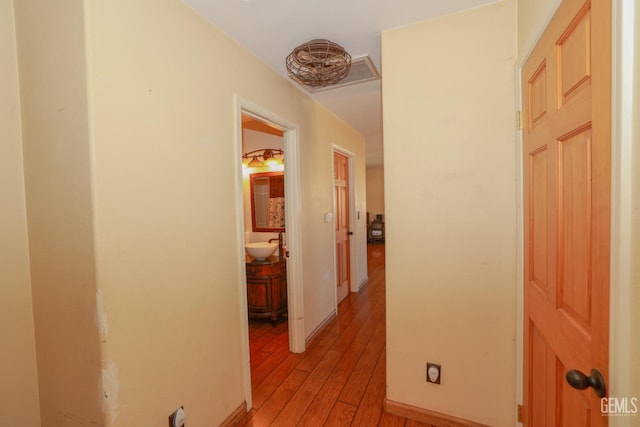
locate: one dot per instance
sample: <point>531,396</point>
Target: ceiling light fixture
<point>318,63</point>
<point>268,156</point>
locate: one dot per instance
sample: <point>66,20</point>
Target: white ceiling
<point>272,28</point>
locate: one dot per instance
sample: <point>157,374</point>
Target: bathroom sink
<point>261,250</point>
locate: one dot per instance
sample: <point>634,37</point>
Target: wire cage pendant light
<point>318,63</point>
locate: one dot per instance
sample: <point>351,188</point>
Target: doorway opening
<point>267,152</point>
<point>263,174</point>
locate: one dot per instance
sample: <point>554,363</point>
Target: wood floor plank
<point>261,371</point>
<point>341,415</point>
<point>345,316</point>
<point>296,407</point>
<point>321,405</point>
<point>258,357</point>
<point>247,419</point>
<point>347,335</point>
<point>359,379</point>
<point>314,355</point>
<point>377,314</point>
<point>272,407</point>
<point>370,408</point>
<point>278,341</point>
<point>260,327</point>
<point>277,376</point>
<point>412,423</point>
<point>260,340</point>
<point>390,420</point>
<point>340,379</point>
<point>348,328</point>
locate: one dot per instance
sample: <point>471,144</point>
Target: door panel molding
<point>342,222</point>
<point>566,213</point>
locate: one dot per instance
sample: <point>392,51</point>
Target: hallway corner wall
<point>58,188</point>
<point>451,212</point>
<point>19,404</point>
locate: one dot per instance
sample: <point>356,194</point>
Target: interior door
<point>341,183</point>
<point>566,100</point>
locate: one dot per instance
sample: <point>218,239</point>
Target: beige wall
<point>375,190</point>
<point>18,374</point>
<point>161,117</point>
<point>635,214</point>
<point>634,300</point>
<point>316,160</point>
<point>533,16</point>
<point>635,281</point>
<point>451,212</point>
<point>130,165</point>
<point>59,208</point>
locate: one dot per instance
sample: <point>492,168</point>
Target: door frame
<point>293,220</point>
<point>625,22</point>
<point>353,286</point>
<point>620,286</point>
<point>520,210</point>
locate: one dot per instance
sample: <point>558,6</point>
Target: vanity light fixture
<point>255,163</point>
<point>268,157</point>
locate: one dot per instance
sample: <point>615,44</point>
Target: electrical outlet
<point>434,372</point>
<point>177,418</point>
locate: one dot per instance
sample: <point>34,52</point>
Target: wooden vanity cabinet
<point>267,288</point>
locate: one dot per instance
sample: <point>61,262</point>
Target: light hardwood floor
<point>340,379</point>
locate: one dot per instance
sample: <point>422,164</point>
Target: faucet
<point>280,247</point>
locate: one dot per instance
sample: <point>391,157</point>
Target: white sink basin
<point>261,250</point>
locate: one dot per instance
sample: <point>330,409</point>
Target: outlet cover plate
<point>434,372</point>
<point>177,418</point>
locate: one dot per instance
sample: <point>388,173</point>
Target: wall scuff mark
<point>101,318</point>
<point>109,395</point>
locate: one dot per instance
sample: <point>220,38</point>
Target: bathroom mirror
<point>267,201</point>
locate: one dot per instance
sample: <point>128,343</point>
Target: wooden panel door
<point>566,98</point>
<point>341,183</point>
